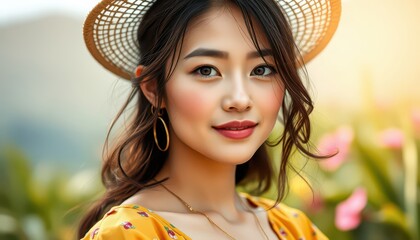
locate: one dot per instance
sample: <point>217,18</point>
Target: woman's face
<point>222,99</point>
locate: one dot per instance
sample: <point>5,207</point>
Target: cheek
<point>272,100</point>
<point>186,103</point>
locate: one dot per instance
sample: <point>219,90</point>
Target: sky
<point>21,9</point>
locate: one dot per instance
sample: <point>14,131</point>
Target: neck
<point>206,185</point>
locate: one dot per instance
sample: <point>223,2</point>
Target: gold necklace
<point>192,210</point>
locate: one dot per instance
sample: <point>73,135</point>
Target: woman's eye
<point>206,71</point>
<point>262,71</point>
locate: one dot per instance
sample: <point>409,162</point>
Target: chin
<point>234,158</point>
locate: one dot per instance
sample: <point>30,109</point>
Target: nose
<point>238,98</point>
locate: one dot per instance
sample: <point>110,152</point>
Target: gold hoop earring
<point>155,134</point>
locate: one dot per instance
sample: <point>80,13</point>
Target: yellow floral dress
<point>136,222</point>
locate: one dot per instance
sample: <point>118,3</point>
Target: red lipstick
<point>236,129</point>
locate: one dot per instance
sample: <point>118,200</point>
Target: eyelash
<point>271,68</point>
<point>196,71</point>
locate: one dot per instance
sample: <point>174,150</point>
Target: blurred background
<point>56,104</point>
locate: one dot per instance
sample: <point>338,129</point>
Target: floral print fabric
<point>136,222</point>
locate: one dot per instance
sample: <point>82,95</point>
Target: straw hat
<point>110,29</point>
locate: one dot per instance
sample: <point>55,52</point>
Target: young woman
<point>210,79</point>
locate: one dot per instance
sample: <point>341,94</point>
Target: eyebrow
<point>204,52</point>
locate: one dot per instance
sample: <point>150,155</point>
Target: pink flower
<point>348,213</point>
<point>94,233</point>
<point>336,142</point>
<point>391,138</point>
<point>415,118</point>
<point>127,225</point>
<point>143,214</point>
<point>171,233</point>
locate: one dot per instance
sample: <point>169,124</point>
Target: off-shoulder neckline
<point>255,201</point>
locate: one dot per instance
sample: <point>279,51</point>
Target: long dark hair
<point>134,160</point>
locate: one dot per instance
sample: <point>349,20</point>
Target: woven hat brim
<point>110,30</point>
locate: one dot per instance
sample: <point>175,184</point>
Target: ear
<point>148,87</point>
<point>138,71</point>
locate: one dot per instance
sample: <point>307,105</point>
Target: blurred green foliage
<point>40,202</point>
<point>382,160</point>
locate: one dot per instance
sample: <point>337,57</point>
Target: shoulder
<point>288,221</point>
<point>132,222</point>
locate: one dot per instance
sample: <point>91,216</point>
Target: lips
<point>236,129</point>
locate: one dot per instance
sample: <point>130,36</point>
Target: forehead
<point>222,26</point>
